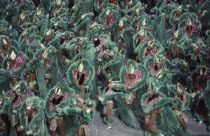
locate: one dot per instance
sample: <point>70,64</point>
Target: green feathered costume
<point>68,94</point>
<point>86,81</point>
<point>36,126</point>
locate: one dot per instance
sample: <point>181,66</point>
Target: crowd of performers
<point>60,59</point>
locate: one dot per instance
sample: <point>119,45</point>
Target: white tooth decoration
<point>17,86</point>
<point>45,54</point>
<point>83,16</point>
<point>179,88</point>
<point>10,27</point>
<point>180,8</point>
<point>108,12</point>
<point>58,91</point>
<point>131,69</point>
<point>4,41</point>
<point>195,47</point>
<point>137,10</point>
<point>74,7</point>
<point>205,11</point>
<point>144,22</point>
<point>22,16</point>
<point>39,12</point>
<point>101,99</point>
<point>88,110</point>
<point>25,32</point>
<point>13,55</point>
<point>121,23</point>
<point>201,72</point>
<point>42,45</point>
<point>81,67</point>
<point>113,83</point>
<point>59,2</point>
<point>48,33</point>
<point>189,22</point>
<point>141,32</point>
<point>131,2</point>
<point>93,25</point>
<point>176,34</point>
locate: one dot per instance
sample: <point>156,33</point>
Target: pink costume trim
<point>201,3</point>
<point>18,64</point>
<point>145,39</point>
<point>194,29</point>
<point>138,76</point>
<point>155,100</point>
<point>20,100</point>
<point>110,91</point>
<point>49,62</point>
<point>100,47</point>
<point>151,67</point>
<point>114,17</point>
<point>152,52</point>
<point>66,96</point>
